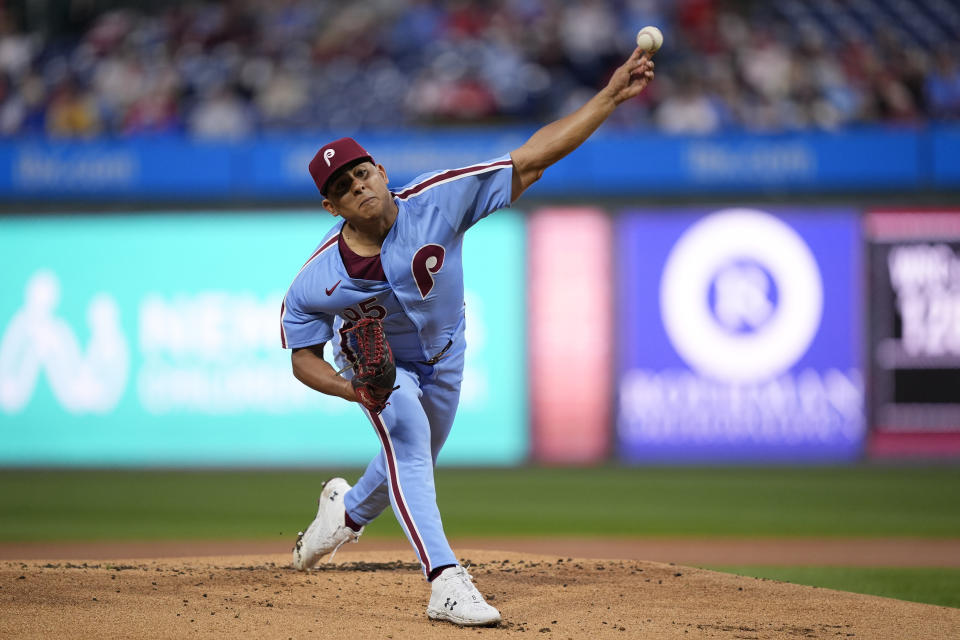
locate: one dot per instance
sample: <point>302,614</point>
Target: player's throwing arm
<point>557,139</point>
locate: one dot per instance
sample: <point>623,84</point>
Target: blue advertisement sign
<point>788,162</point>
<point>945,144</point>
<point>130,340</point>
<point>740,334</point>
<point>174,168</point>
<point>169,168</point>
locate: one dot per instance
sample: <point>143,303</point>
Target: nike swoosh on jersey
<point>333,288</point>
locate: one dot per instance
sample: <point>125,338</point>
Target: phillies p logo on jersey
<point>427,261</point>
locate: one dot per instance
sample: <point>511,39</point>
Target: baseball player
<point>395,256</point>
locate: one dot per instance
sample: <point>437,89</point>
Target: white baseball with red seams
<point>650,39</point>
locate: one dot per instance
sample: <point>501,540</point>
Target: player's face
<point>359,192</point>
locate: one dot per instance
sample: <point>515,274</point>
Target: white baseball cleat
<point>455,599</point>
<point>327,532</point>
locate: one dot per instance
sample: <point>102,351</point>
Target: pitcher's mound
<point>383,595</point>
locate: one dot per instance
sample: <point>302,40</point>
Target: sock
<point>347,520</point>
<point>436,572</point>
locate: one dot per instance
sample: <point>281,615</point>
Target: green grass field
<point>864,501</point>
<point>607,501</point>
<point>929,585</point>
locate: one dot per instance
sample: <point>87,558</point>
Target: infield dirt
<point>381,594</point>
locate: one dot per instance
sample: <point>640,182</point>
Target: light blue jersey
<point>421,306</point>
<point>422,302</point>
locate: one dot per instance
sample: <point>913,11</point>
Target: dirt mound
<point>845,552</point>
<point>383,595</point>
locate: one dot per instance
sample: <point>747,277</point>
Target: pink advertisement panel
<point>570,328</point>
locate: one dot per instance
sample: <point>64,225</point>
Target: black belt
<point>435,359</point>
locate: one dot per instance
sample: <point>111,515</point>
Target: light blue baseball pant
<point>412,430</point>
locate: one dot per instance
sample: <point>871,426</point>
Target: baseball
<point>649,39</point>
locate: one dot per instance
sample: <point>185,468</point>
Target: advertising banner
<point>275,167</point>
<point>739,334</point>
<point>945,152</point>
<point>155,340</point>
<point>914,342</point>
<point>570,332</point>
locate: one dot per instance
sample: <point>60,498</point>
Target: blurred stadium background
<point>756,263</point>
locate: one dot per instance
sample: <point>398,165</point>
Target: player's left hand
<point>631,77</point>
<point>374,369</point>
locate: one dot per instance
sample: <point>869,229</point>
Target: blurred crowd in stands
<point>232,69</point>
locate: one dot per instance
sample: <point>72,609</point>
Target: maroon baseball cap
<point>332,156</point>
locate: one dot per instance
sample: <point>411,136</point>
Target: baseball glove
<point>374,371</point>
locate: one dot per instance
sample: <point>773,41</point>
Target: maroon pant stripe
<point>395,485</point>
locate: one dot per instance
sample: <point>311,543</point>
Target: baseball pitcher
<point>385,289</point>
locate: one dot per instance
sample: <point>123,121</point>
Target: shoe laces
<point>465,580</point>
<point>353,537</point>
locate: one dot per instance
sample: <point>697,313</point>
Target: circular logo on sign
<point>741,296</point>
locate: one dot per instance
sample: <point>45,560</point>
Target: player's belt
<point>435,359</point>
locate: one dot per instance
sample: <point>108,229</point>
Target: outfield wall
<point>651,335</point>
<point>643,334</point>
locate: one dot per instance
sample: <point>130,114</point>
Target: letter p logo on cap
<point>331,157</point>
